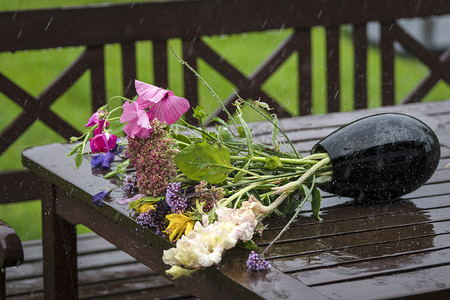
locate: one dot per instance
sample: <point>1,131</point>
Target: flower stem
<point>291,186</point>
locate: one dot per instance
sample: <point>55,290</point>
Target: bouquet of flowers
<point>206,188</point>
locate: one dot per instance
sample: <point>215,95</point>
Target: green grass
<point>34,70</point>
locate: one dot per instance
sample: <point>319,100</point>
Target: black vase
<point>380,157</point>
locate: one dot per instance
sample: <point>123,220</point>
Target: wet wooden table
<point>378,251</point>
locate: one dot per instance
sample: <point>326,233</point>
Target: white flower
<point>204,246</point>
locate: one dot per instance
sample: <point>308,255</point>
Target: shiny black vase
<point>380,157</point>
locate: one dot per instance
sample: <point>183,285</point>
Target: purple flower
<point>130,184</point>
<point>257,263</point>
<point>98,198</point>
<point>173,198</point>
<point>104,160</point>
<point>128,200</point>
<point>155,218</point>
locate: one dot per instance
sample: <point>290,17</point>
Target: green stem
<point>293,185</point>
<point>285,228</point>
<point>275,125</point>
<point>207,85</point>
<point>246,171</point>
<point>228,200</point>
<point>293,161</point>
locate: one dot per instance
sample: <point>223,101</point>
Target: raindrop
<point>48,24</point>
<point>320,14</point>
<point>20,33</point>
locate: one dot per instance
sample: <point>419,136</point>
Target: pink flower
<point>96,119</point>
<point>138,121</point>
<point>103,142</point>
<point>164,105</point>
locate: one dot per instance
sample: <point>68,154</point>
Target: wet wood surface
<point>358,251</point>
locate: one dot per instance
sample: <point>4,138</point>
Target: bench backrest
<point>125,24</point>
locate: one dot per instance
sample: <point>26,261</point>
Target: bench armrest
<point>11,250</point>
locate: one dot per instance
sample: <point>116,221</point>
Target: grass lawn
<point>34,70</point>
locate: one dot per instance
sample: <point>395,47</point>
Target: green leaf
<point>316,203</point>
<point>181,138</point>
<point>74,149</point>
<point>248,245</point>
<point>78,159</point>
<point>276,145</point>
<point>273,162</point>
<point>224,134</point>
<point>203,161</point>
<point>241,132</point>
<point>199,113</point>
<point>222,122</point>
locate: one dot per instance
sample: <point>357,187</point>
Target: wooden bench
<point>95,27</point>
<point>394,249</point>
<point>11,253</point>
<point>104,272</point>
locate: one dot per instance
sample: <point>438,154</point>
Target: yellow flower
<point>178,224</point>
<point>146,207</point>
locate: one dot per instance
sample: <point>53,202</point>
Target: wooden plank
<point>141,21</point>
<point>360,65</point>
<point>304,72</point>
<point>383,265</point>
<point>333,70</point>
<point>420,283</point>
<point>387,64</point>
<point>19,185</point>
<point>160,70</point>
<point>104,271</point>
<point>129,71</point>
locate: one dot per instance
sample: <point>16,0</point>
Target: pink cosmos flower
<point>138,121</point>
<point>164,105</point>
<point>103,142</point>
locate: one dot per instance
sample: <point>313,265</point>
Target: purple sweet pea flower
<point>98,198</point>
<point>103,160</point>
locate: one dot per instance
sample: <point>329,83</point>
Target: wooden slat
<point>432,281</point>
<point>97,67</point>
<point>160,68</point>
<point>304,72</point>
<point>442,71</point>
<point>141,21</point>
<point>190,55</point>
<point>360,65</point>
<point>333,69</point>
<point>387,64</point>
<point>104,271</point>
<point>128,69</point>
<point>19,185</point>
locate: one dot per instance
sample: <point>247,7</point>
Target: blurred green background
<point>35,70</point>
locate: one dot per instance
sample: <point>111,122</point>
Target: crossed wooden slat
<point>39,108</point>
<point>247,87</point>
<point>439,66</point>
